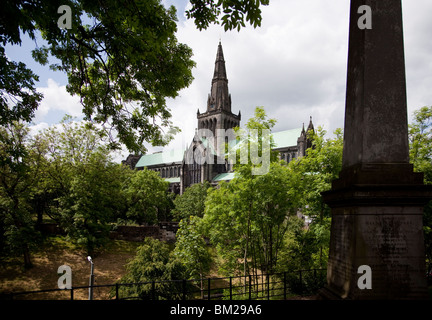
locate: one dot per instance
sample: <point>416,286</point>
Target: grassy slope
<point>109,267</point>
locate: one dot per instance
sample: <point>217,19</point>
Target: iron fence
<point>276,286</point>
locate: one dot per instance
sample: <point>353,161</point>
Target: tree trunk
<point>27,259</point>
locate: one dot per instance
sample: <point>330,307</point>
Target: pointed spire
<point>310,127</point>
<point>219,96</point>
<point>220,71</point>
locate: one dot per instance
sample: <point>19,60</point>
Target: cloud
<point>56,103</point>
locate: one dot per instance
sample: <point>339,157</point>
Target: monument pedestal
<point>377,202</point>
<point>377,221</point>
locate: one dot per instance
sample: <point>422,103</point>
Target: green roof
<point>165,157</point>
<point>282,139</point>
<point>224,176</point>
<point>287,138</point>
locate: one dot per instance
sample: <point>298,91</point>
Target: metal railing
<point>276,286</point>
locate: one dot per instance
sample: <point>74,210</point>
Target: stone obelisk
<point>377,202</point>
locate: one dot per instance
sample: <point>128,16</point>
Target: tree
<point>90,205</point>
<point>191,202</point>
<point>146,196</point>
<point>18,96</point>
<point>312,175</point>
<point>420,138</point>
<point>152,266</point>
<point>19,173</point>
<point>247,218</point>
<point>317,170</point>
<point>121,57</point>
<point>191,249</point>
<point>81,186</point>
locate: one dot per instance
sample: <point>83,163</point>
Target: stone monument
<point>377,245</point>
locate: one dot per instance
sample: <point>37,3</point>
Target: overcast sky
<point>294,66</point>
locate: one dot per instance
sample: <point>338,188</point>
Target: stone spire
<point>219,97</point>
<point>311,126</point>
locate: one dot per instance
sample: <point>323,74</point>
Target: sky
<point>294,66</point>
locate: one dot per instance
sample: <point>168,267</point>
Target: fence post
<point>184,289</point>
<point>285,286</point>
<point>117,291</point>
<point>250,287</point>
<point>72,297</point>
<point>268,287</point>
<point>230,288</point>
<point>301,282</point>
<point>208,288</point>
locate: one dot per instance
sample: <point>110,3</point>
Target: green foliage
<point>90,205</point>
<point>80,186</point>
<point>420,138</point>
<point>85,192</point>
<point>191,248</point>
<point>121,57</point>
<point>18,96</point>
<point>191,202</point>
<point>66,173</point>
<point>234,13</point>
<point>146,196</point>
<point>255,144</point>
<point>316,171</point>
<point>153,262</point>
<point>246,219</point>
<point>19,174</point>
<point>306,248</point>
<point>250,219</point>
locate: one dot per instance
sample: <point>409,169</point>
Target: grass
<point>109,267</point>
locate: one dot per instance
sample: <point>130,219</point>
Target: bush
<point>149,271</point>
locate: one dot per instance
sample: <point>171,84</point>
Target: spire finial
<point>311,126</point>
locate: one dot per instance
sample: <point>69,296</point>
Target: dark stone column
<point>377,202</point>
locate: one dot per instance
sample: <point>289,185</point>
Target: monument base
<point>379,226</point>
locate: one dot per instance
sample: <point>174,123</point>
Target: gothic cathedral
<point>181,167</point>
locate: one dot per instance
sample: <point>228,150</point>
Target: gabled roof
<point>165,157</point>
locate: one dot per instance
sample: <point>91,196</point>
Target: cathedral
<point>181,167</point>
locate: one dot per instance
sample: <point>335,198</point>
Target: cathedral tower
<point>218,114</point>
